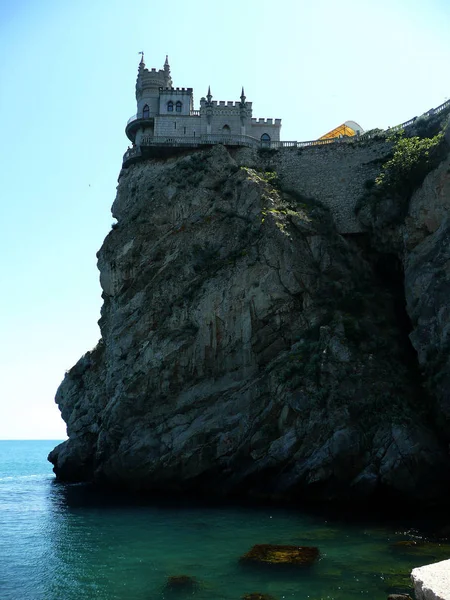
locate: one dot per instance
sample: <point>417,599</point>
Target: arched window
<point>265,137</point>
<point>178,106</point>
<point>145,112</point>
<point>170,106</point>
<point>226,129</point>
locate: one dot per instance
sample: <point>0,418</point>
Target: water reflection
<point>101,545</point>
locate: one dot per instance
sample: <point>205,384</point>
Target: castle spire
<point>209,95</point>
<point>142,63</point>
<point>243,96</point>
<point>167,77</point>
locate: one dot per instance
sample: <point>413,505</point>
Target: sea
<point>71,542</point>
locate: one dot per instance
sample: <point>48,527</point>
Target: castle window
<point>265,137</point>
<point>178,106</point>
<point>145,112</point>
<point>226,129</point>
<point>170,106</point>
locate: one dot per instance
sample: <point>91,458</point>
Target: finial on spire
<point>142,58</point>
<point>243,97</point>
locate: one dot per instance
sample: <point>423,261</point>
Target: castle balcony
<point>159,146</point>
<point>135,122</point>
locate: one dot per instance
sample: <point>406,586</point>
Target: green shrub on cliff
<point>386,200</point>
<point>413,158</point>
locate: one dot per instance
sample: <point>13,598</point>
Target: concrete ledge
<point>432,582</point>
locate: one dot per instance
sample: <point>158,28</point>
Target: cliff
<point>249,348</point>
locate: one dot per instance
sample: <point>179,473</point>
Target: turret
<point>148,84</point>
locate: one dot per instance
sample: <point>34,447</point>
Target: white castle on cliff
<point>166,120</point>
<point>166,115</point>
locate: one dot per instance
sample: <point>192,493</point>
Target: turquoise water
<point>63,542</point>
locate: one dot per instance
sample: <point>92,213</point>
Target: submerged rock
<point>275,554</point>
<point>401,545</point>
<point>182,583</point>
<point>258,596</point>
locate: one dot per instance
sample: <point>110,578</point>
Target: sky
<point>67,77</point>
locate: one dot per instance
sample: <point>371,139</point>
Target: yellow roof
<point>348,129</point>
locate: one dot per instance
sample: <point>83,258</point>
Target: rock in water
<point>432,582</point>
<point>181,583</point>
<point>247,348</point>
<point>281,555</point>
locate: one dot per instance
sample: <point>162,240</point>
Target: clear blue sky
<point>67,76</point>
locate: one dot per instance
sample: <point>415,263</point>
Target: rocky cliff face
<point>247,348</point>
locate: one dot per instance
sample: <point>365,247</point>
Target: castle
<point>166,116</point>
<point>166,120</point>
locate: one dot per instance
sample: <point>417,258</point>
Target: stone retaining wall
<point>335,175</point>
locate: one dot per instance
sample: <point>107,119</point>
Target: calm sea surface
<point>63,542</point>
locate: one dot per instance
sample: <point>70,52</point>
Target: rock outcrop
<point>432,582</point>
<point>247,348</point>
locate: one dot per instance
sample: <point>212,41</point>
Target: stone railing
<point>201,140</point>
<point>131,153</point>
<point>136,117</point>
<point>133,118</point>
<point>433,111</point>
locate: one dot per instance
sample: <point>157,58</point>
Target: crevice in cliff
<point>389,271</point>
<point>388,278</point>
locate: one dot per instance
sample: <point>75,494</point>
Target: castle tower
<point>148,85</point>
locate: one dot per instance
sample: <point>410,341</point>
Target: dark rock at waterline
<point>399,597</point>
<point>277,555</point>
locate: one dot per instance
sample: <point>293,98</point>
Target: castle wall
<point>226,116</point>
<point>258,127</point>
<point>151,98</point>
<point>185,125</point>
<point>185,96</point>
<point>335,175</point>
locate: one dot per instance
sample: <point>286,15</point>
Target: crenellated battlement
<point>262,121</point>
<point>228,104</point>
<point>152,76</point>
<point>176,91</point>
